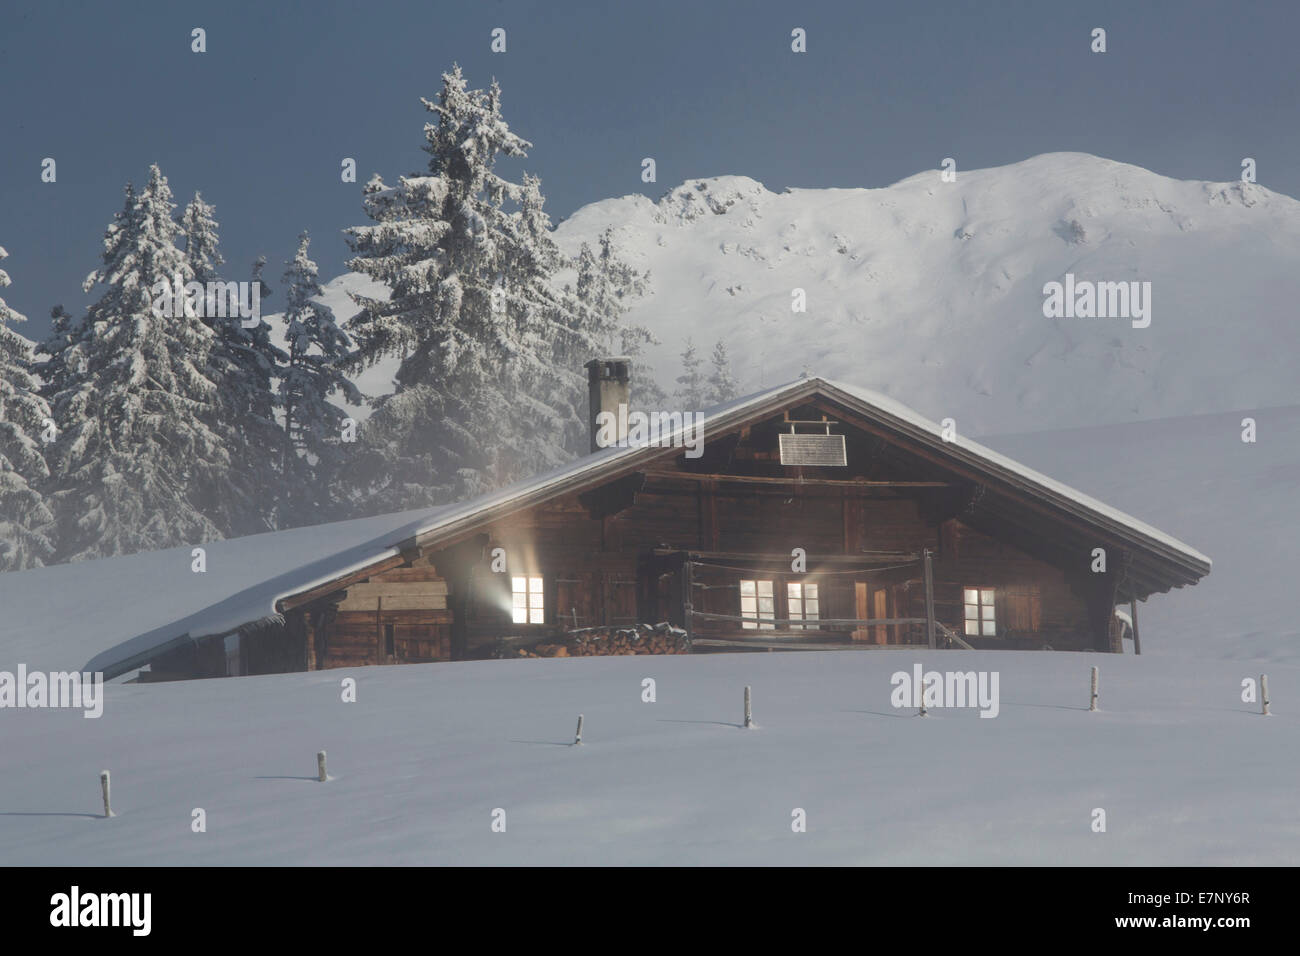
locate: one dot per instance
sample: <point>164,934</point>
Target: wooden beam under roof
<point>794,480</point>
<point>862,559</point>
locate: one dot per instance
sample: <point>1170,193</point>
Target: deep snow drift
<point>1185,771</point>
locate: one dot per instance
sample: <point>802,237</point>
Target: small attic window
<point>815,447</point>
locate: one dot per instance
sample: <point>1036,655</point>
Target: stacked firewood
<point>599,641</point>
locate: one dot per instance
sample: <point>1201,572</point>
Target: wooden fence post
<point>1092,703</point>
<point>1263,694</point>
<point>103,786</point>
<point>749,714</point>
<point>320,765</point>
<point>577,738</point>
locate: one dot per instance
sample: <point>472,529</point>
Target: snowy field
<point>1186,772</point>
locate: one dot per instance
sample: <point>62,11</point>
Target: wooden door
<point>860,609</point>
<point>870,604</point>
<point>880,611</point>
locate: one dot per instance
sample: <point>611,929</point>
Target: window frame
<point>986,624</point>
<point>756,622</point>
<point>534,599</point>
<point>807,622</point>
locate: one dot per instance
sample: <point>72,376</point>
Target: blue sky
<point>260,122</point>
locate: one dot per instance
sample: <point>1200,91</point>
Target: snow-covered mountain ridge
<point>932,291</point>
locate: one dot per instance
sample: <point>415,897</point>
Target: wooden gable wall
<point>601,567</point>
<point>395,616</point>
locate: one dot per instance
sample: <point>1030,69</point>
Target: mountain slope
<point>933,292</point>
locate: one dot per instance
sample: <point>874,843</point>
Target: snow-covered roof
<point>166,603</point>
<point>874,404</point>
<point>1032,480</point>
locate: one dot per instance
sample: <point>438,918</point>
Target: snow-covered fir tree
<point>259,266</point>
<point>133,453</point>
<point>59,348</point>
<point>585,321</point>
<point>606,287</point>
<point>253,365</point>
<point>25,520</point>
<point>202,252</point>
<point>722,384</point>
<point>692,386</point>
<point>473,314</point>
<point>312,424</point>
<point>245,364</point>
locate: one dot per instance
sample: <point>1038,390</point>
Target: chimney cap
<point>609,370</point>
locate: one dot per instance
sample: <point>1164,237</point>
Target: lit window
<point>803,601</point>
<point>980,621</point>
<point>757,604</point>
<point>527,597</point>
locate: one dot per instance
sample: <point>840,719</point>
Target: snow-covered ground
<point>933,292</point>
<point>1185,771</point>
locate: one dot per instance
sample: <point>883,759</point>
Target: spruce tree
<point>245,364</point>
<point>473,314</point>
<point>133,453</point>
<point>252,366</point>
<point>25,519</point>
<point>722,384</point>
<point>61,351</point>
<point>580,324</point>
<point>312,424</point>
<point>691,382</point>
<point>202,252</point>
<point>606,287</point>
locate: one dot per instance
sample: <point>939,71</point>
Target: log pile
<point>601,641</point>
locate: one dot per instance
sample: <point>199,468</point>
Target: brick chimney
<point>609,384</point>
